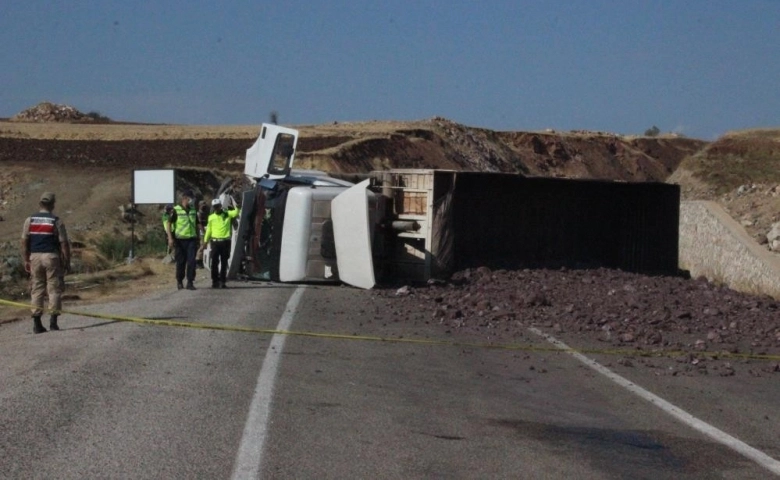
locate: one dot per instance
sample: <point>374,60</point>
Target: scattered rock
<point>612,307</point>
<point>403,291</point>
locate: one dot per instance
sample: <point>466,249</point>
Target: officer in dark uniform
<point>219,233</point>
<point>183,234</point>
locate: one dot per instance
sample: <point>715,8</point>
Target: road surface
<point>110,399</point>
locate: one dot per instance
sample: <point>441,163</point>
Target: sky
<point>699,68</point>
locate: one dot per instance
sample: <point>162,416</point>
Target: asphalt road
<point>105,399</point>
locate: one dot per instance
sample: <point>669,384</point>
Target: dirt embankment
<point>356,148</point>
<point>741,172</point>
<point>439,143</point>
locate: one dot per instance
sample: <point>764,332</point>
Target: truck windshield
<point>281,159</point>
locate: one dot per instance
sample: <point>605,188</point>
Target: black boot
<point>37,325</point>
<point>190,286</point>
<point>53,323</point>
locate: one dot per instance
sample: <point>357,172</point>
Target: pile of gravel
<point>696,325</point>
<point>52,112</point>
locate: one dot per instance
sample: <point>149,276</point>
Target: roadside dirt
<point>141,277</point>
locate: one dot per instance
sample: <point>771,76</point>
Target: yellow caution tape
<point>418,341</point>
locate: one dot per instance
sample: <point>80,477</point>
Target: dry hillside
<point>90,165</point>
<point>741,172</point>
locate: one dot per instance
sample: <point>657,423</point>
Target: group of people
<point>46,250</point>
<point>183,229</point>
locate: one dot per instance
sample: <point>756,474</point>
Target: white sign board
<point>153,186</point>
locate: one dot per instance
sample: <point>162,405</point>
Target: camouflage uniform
<point>46,253</point>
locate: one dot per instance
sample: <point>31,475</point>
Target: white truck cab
<point>300,225</point>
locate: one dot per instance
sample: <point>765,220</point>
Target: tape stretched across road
<point>418,341</point>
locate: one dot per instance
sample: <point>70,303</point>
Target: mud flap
<point>352,233</point>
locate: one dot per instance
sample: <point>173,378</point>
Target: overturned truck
<point>415,225</point>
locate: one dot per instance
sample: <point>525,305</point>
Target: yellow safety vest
<point>220,224</point>
<point>186,221</point>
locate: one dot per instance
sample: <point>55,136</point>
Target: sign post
<point>149,187</point>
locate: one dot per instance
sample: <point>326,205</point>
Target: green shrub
<point>113,247</point>
<point>98,117</point>
<point>155,244</point>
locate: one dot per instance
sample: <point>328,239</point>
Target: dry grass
<point>738,158</point>
<point>765,133</point>
<point>110,132</point>
<point>67,131</point>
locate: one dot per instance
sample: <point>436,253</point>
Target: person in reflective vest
<point>203,218</point>
<point>183,235</point>
<point>219,232</point>
<point>166,215</point>
<point>46,254</point>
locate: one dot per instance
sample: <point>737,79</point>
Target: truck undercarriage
<point>414,225</point>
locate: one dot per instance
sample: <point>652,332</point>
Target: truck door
<point>272,154</point>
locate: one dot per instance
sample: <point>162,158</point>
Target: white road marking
<point>250,452</point>
<point>718,435</point>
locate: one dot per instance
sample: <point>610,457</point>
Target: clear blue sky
<point>697,67</point>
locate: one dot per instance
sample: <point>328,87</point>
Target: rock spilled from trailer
<point>672,324</point>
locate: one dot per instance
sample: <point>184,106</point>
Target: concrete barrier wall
<point>716,247</point>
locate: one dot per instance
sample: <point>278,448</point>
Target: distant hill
<point>47,112</point>
<point>360,147</point>
<point>440,143</point>
<point>735,159</point>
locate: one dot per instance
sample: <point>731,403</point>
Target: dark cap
<point>47,197</point>
<point>188,194</point>
<point>169,207</point>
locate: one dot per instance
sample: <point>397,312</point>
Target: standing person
<point>167,229</point>
<point>219,232</point>
<point>183,235</point>
<point>203,219</point>
<point>46,254</point>
<point>165,217</point>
